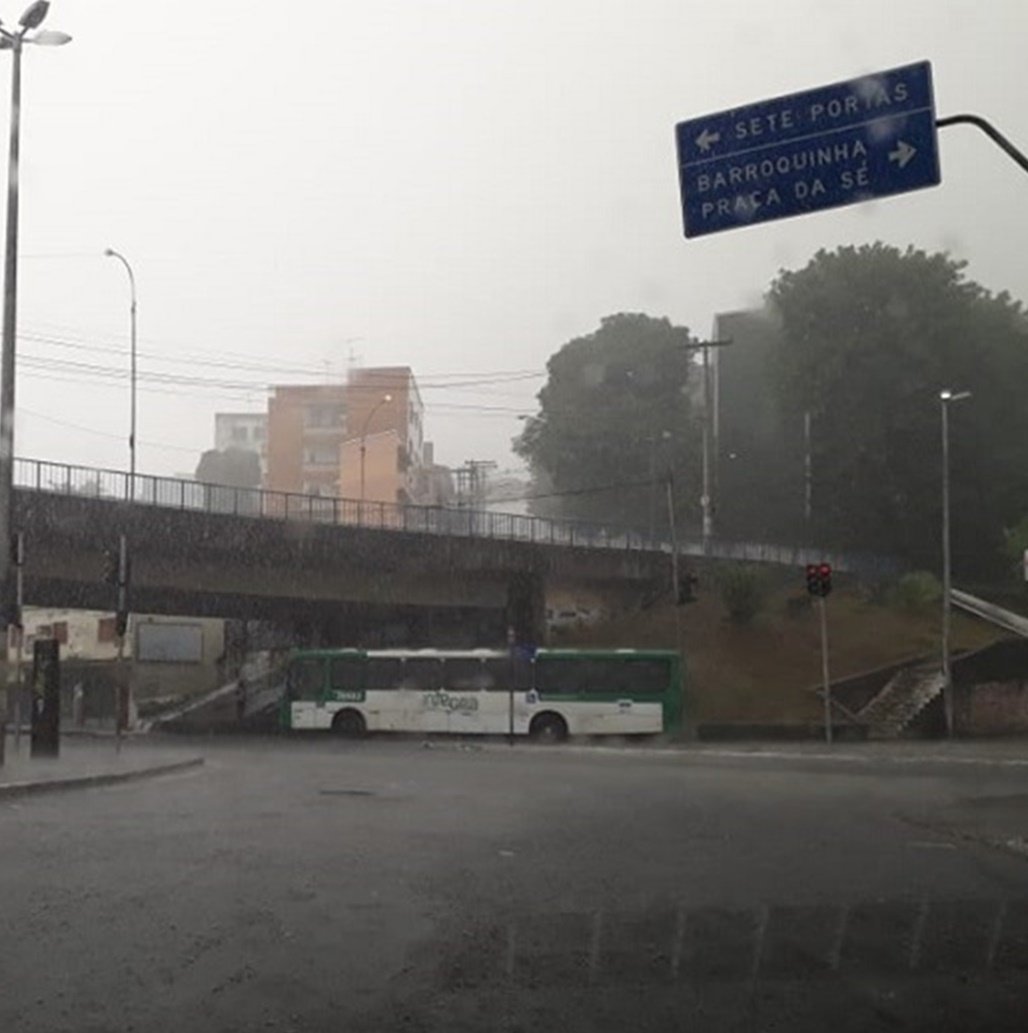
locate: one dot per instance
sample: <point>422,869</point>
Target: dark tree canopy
<point>614,411</point>
<point>233,467</point>
<point>869,337</point>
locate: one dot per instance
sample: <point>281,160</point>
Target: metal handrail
<point>99,483</point>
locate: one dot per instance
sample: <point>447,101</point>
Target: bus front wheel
<point>349,723</point>
<point>548,728</point>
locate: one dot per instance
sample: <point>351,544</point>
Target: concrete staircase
<point>904,696</point>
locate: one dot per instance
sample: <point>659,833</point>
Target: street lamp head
<point>387,398</point>
<point>34,14</point>
<point>109,252</point>
<point>950,396</point>
<point>49,38</point>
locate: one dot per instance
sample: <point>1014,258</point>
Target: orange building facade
<point>366,435</point>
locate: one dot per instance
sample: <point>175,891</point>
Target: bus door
<point>305,685</point>
<point>471,705</point>
<point>424,701</point>
<point>386,704</point>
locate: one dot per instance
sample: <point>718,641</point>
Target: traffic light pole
<point>120,688</point>
<point>826,682</point>
<point>19,632</point>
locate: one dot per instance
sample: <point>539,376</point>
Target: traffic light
<point>112,565</point>
<point>824,572</point>
<point>819,579</point>
<point>116,572</point>
<point>687,589</point>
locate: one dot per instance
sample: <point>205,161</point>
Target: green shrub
<point>916,591</point>
<point>744,591</point>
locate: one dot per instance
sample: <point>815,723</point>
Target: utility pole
<point>945,398</point>
<point>670,485</point>
<point>706,496</point>
<point>808,469</point>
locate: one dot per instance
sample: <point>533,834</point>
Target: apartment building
<point>306,429</point>
<point>361,439</point>
<point>385,420</point>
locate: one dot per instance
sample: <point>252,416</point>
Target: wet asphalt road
<point>376,886</point>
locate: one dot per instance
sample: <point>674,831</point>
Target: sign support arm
<point>990,131</point>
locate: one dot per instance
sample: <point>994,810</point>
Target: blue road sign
<point>835,145</point>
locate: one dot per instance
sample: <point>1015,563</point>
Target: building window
<point>323,416</point>
<point>106,630</point>
<point>320,455</point>
<point>60,632</point>
<point>238,434</point>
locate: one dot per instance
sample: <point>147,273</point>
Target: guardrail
<point>1005,619</point>
<point>194,496</point>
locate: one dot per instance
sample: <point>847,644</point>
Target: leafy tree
<point>224,472</point>
<point>744,591</point>
<point>869,337</point>
<point>616,414</point>
<point>233,467</point>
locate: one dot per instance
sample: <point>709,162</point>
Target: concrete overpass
<point>331,567</point>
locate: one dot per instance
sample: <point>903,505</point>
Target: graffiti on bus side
<point>442,700</point>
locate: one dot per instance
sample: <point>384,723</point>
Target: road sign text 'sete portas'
<point>835,145</point>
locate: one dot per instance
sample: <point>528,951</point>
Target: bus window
<point>423,674</point>
<point>562,676</point>
<point>306,679</point>
<point>500,672</point>
<point>464,674</point>
<point>645,676</point>
<point>346,673</point>
<point>383,672</point>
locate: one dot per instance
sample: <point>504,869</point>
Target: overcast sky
<point>457,185</point>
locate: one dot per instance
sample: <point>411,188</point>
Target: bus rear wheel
<point>349,724</point>
<point>548,728</point>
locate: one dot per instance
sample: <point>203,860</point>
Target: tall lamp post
<point>364,435</point>
<point>946,398</point>
<point>14,41</point>
<point>111,253</point>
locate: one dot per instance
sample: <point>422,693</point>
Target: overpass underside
<point>332,584</point>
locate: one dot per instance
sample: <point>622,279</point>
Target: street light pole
<point>7,363</point>
<point>364,434</point>
<point>709,438</point>
<point>14,41</point>
<point>945,398</point>
<point>111,253</point>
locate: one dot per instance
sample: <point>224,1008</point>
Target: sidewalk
<point>87,761</point>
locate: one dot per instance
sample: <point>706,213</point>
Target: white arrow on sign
<point>705,139</point>
<point>903,153</point>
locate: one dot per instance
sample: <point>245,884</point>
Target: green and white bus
<point>550,695</point>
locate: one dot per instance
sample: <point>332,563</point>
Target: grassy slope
<point>763,673</point>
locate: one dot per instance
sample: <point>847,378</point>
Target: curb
<point>12,789</point>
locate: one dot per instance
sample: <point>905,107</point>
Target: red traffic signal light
<point>824,572</point>
<point>819,578</point>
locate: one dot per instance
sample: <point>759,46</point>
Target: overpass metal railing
<point>176,493</point>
